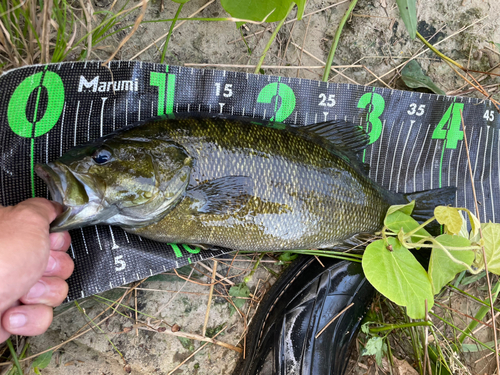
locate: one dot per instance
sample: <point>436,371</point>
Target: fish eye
<point>101,156</point>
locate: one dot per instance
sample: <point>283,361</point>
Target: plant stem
<point>427,222</point>
<point>170,31</point>
<point>483,310</point>
<point>271,39</point>
<point>390,327</point>
<point>14,357</point>
<point>331,54</point>
<point>255,266</point>
<point>433,49</point>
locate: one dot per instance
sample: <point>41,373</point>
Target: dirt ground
<point>373,44</point>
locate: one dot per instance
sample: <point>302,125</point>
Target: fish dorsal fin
<point>342,138</point>
<point>346,136</point>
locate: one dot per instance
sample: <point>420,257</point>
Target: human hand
<point>33,267</point>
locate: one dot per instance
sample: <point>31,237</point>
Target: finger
<point>59,241</point>
<point>59,265</point>
<point>50,291</point>
<point>4,335</point>
<point>44,207</point>
<point>27,320</point>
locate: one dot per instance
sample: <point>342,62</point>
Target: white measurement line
<point>402,156</point>
<point>466,172</point>
<point>84,242</point>
<point>423,169</point>
<point>443,146</point>
<point>394,155</point>
<point>126,112</point>
<point>88,121</point>
<point>72,251</point>
<point>411,155</point>
<point>102,115</point>
<point>98,238</point>
<point>385,160</point>
<point>492,196</point>
<point>477,158</point>
<point>62,131</point>
<point>379,150</point>
<point>126,237</point>
<point>458,167</point>
<point>76,122</point>
<point>418,160</point>
<point>115,246</point>
<point>482,171</point>
<point>449,166</point>
<point>139,111</point>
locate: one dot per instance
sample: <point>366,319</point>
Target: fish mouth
<point>47,174</point>
<point>80,202</point>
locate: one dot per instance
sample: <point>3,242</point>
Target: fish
<point>237,183</point>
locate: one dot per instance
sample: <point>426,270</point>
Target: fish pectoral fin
<point>220,196</point>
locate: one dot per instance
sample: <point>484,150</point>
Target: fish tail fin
<point>427,200</point>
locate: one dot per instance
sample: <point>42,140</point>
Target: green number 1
<point>449,126</point>
<point>160,80</point>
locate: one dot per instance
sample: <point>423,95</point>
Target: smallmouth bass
<point>231,183</point>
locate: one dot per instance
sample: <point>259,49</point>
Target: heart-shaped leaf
<point>414,77</point>
<point>441,268</point>
<point>396,274</point>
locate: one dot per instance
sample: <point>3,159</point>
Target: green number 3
<point>376,106</point>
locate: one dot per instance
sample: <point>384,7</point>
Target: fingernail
<point>56,240</point>
<point>51,264</point>
<point>36,290</point>
<point>17,320</point>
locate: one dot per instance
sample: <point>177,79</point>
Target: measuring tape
<point>416,140</point>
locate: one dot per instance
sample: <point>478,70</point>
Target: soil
<point>375,42</point>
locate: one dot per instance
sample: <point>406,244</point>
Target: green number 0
<point>16,111</point>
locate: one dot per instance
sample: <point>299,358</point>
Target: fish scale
<point>323,199</point>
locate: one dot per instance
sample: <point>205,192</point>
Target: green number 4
<point>449,126</point>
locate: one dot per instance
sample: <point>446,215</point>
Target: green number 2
<point>376,106</point>
<point>285,93</point>
<point>449,126</point>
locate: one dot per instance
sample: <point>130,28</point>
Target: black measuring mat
<point>416,140</point>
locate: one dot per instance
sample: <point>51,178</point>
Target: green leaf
<point>441,268</point>
<point>398,276</point>
<point>404,208</point>
<point>408,12</point>
<point>238,290</point>
<point>180,1</point>
<point>375,346</point>
<point>288,256</point>
<point>491,236</point>
<point>186,343</point>
<point>399,220</point>
<point>449,217</point>
<point>414,77</point>
<point>42,360</point>
<point>474,224</point>
<point>257,10</point>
